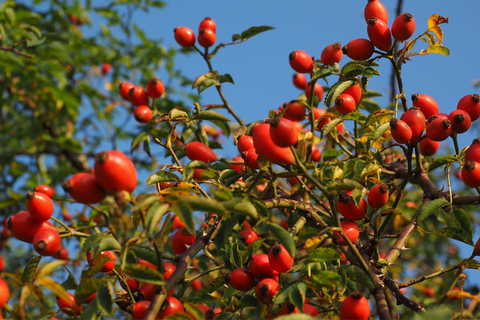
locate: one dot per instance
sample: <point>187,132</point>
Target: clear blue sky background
<point>263,75</point>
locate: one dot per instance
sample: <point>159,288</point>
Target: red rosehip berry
<point>403,27</point>
<point>347,208</point>
<point>332,54</point>
<point>375,8</point>
<point>379,34</point>
<point>359,49</point>
<point>240,279</point>
<point>155,88</point>
<point>279,258</point>
<point>300,81</point>
<point>184,36</point>
<point>427,104</point>
<point>460,120</point>
<point>300,61</point>
<point>378,196</point>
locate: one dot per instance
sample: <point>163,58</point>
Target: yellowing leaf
<point>433,23</point>
<point>313,242</point>
<point>437,48</point>
<point>109,107</point>
<point>108,86</point>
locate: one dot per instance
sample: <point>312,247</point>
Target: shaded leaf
<point>331,154</point>
<point>455,233</point>
<point>185,213</point>
<point>30,269</point>
<point>154,215</point>
<point>441,161</point>
<point>210,115</point>
<point>298,288</point>
<point>253,31</point>
<point>357,275</point>
<point>53,286</point>
<point>284,237</point>
<point>431,207</point>
<point>326,278</point>
<point>87,288</point>
<point>377,133</point>
<point>162,176</point>
<point>330,126</point>
<point>143,273</point>
<point>105,298</point>
<point>462,221</point>
<point>343,184</point>
<point>336,90</point>
<point>225,78</point>
<point>323,255</point>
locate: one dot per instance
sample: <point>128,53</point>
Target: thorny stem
<point>432,275</point>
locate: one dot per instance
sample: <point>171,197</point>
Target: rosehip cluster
<point>92,187</point>
<point>206,34</point>
<point>139,97</point>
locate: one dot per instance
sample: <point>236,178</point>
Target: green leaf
<point>343,184</point>
<point>143,273</point>
<point>236,37</point>
<point>354,116</point>
<point>431,207</point>
<point>105,298</point>
<point>289,291</point>
<point>203,204</point>
<point>53,286</point>
<point>369,105</point>
<point>354,65</point>
<point>227,177</point>
<point>330,126</point>
<point>154,215</point>
<point>253,31</point>
<point>462,221</point>
<point>87,288</point>
<point>322,73</point>
<point>136,141</point>
<point>176,113</point>
<point>9,15</point>
<point>225,78</point>
<point>371,94</point>
<point>336,90</point>
<point>324,255</point>
<point>241,205</point>
<point>162,176</point>
<point>331,154</point>
<point>437,163</point>
<point>377,133</point>
<point>438,48</point>
<point>90,312</point>
<point>357,275</point>
<point>225,231</point>
<point>381,116</point>
<point>207,83</point>
<point>101,242</point>
<point>211,116</point>
<point>50,267</point>
<point>215,284</point>
<point>185,213</point>
<point>30,269</point>
<point>326,278</point>
<point>455,233</point>
<point>284,237</point>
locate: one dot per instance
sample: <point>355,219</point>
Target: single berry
<point>300,61</point>
<point>359,49</point>
<point>332,54</point>
<point>279,258</point>
<point>378,196</point>
<point>184,36</point>
<point>143,114</point>
<point>375,8</point>
<point>403,27</point>
<point>240,279</point>
<point>427,104</point>
<point>379,34</point>
<point>350,229</point>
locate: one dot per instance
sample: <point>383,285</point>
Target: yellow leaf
<point>438,32</point>
<point>437,48</point>
<point>313,242</point>
<point>53,286</point>
<point>462,295</point>
<point>433,23</point>
<point>108,86</point>
<point>109,107</point>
